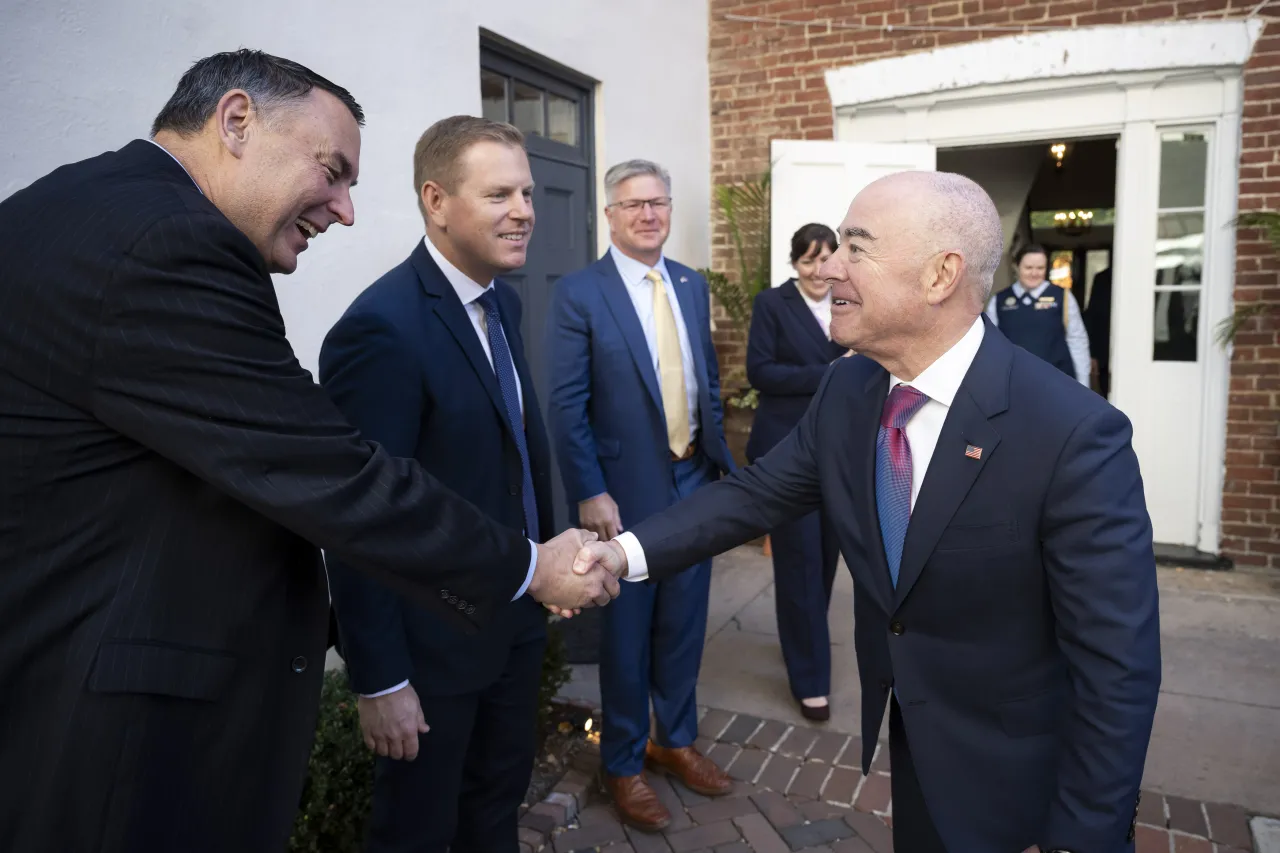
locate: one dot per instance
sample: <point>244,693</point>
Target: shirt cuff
<point>637,566</point>
<point>533,564</point>
<point>401,686</point>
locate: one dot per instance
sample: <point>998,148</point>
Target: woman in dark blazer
<point>788,352</point>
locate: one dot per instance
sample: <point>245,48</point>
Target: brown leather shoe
<point>637,802</point>
<point>698,773</point>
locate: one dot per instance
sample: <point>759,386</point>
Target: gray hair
<point>965,211</point>
<point>629,169</point>
<point>269,80</point>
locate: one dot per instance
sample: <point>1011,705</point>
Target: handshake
<point>575,570</point>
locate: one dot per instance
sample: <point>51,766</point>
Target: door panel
<point>814,181</point>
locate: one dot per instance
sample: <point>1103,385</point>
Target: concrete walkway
<point>1217,731</point>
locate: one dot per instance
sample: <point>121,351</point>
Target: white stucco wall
<point>82,77</point>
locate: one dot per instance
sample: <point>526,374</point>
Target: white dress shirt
<point>640,289</point>
<point>469,291</point>
<point>821,309</point>
<point>1077,336</point>
<point>939,382</point>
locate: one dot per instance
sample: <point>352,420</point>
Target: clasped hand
<point>564,584</point>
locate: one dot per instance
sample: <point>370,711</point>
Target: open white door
<point>814,181</point>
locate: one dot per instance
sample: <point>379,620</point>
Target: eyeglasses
<point>635,205</point>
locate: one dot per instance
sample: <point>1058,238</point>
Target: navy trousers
<point>463,791</point>
<point>805,553</point>
<point>651,648</point>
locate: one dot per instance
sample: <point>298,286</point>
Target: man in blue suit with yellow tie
<point>636,419</point>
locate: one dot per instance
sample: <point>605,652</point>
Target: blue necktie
<point>505,369</point>
<point>893,472</point>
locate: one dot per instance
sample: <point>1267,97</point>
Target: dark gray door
<point>552,109</point>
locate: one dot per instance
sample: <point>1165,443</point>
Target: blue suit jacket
<point>606,404</point>
<point>1023,636</point>
<point>405,366</point>
<point>787,356</point>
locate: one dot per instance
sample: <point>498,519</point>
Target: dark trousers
<point>463,791</point>
<point>913,829</point>
<point>805,553</point>
<point>651,647</point>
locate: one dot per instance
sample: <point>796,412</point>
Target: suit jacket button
<point>444,593</point>
<point>513,490</point>
<point>299,664</point>
<point>895,627</point>
<point>453,599</point>
<point>471,608</point>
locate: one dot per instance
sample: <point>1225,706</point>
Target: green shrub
<point>337,794</point>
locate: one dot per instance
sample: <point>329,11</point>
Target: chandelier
<point>1073,223</point>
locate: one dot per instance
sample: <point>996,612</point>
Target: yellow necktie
<point>675,405</point>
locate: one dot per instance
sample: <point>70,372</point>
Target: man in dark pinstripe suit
<point>167,471</point>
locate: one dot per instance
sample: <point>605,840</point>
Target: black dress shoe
<point>820,714</point>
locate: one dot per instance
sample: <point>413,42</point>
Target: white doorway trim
<point>1129,81</point>
<point>1045,56</point>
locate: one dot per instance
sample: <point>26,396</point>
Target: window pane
<point>1179,248</point>
<point>493,96</point>
<point>562,119</point>
<point>1183,157</point>
<point>526,108</point>
<point>1176,324</point>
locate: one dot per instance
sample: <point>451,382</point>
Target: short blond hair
<point>436,156</point>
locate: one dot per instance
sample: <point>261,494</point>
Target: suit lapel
<point>453,315</point>
<point>983,394</point>
<point>692,327</point>
<point>795,301</point>
<point>624,312</point>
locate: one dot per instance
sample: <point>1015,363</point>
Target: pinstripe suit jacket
<point>167,474</point>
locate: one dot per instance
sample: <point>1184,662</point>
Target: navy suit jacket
<point>787,356</point>
<point>606,404</point>
<point>1023,636</point>
<point>405,366</point>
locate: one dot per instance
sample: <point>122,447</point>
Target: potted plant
<point>744,209</point>
<point>1268,222</point>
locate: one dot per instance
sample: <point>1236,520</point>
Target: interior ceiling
<point>1086,180</point>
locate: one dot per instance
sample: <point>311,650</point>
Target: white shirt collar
<point>814,303</point>
<point>176,160</point>
<point>468,289</point>
<point>1019,290</point>
<point>941,380</point>
<point>633,271</point>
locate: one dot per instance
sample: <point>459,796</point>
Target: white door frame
<point>1125,81</point>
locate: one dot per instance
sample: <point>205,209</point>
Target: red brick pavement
<point>801,789</point>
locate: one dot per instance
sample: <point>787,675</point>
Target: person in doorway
<point>993,517</point>
<point>788,352</point>
<point>429,362</point>
<point>1097,322</point>
<point>636,419</point>
<point>1042,318</point>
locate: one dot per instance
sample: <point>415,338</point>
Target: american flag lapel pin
<point>972,451</point>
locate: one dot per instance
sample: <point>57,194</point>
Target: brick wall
<point>767,82</point>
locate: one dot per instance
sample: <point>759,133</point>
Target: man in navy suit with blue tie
<point>429,362</point>
<point>635,414</point>
<point>991,512</point>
